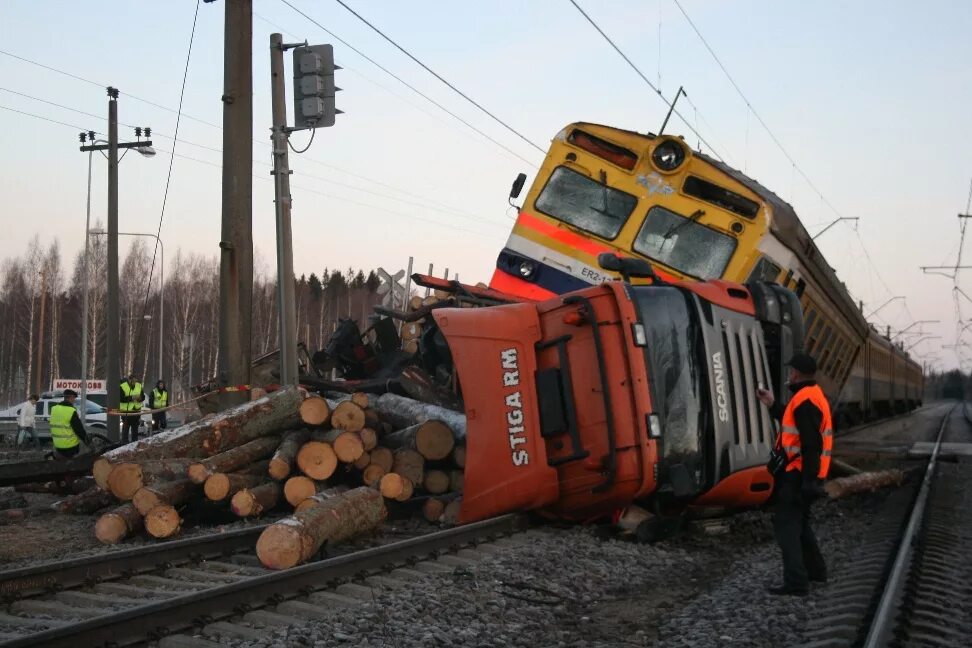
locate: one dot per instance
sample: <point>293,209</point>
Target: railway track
<point>907,585</point>
<point>214,586</point>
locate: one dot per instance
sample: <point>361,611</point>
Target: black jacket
<point>808,418</point>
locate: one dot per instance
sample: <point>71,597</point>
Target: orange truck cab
<point>584,403</point>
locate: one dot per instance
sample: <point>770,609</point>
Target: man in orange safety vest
<point>804,448</point>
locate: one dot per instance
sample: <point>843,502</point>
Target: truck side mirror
<point>517,187</point>
<point>627,266</point>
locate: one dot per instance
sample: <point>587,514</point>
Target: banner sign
<point>94,384</point>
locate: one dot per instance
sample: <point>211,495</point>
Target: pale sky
<point>871,99</point>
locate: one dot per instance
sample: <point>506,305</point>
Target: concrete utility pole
<point>286,305</point>
<point>236,238</point>
<point>112,321</point>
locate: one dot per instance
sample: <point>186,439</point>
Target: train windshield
<point>672,351</point>
<point>684,244</point>
<point>592,206</point>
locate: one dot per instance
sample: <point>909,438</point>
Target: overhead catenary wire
<point>410,86</point>
<point>645,79</point>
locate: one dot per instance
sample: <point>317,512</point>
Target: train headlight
<point>527,268</point>
<point>668,155</point>
<point>654,426</point>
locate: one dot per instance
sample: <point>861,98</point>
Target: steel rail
<point>883,621</point>
<point>168,616</point>
<point>63,574</point>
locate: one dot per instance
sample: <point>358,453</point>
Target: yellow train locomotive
<point>603,189</point>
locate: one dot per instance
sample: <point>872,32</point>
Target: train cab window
<point>713,193</point>
<point>684,244</point>
<point>617,155</point>
<point>592,206</point>
<point>764,270</point>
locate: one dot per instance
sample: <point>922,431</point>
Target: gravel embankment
<point>567,588</point>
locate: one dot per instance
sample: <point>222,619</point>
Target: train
<point>602,190</point>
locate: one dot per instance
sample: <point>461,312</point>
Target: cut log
<point>347,446</point>
<point>391,485</point>
<point>315,411</point>
<point>409,464</point>
<point>63,486</point>
<point>403,412</point>
<point>126,478</point>
<point>431,299</point>
<point>257,393</point>
<point>171,493</point>
<point>459,456</point>
<point>864,482</point>
<point>271,414</point>
<point>222,486</point>
<point>117,524</point>
<point>383,457</point>
<point>433,509</point>
<point>408,488</point>
<point>233,460</point>
<point>369,438</point>
<point>372,420</point>
<point>840,468</point>
<point>411,330</point>
<point>457,480</point>
<point>450,515</point>
<point>431,439</point>
<point>91,500</point>
<point>410,346</point>
<point>348,416</point>
<point>415,302</point>
<point>317,460</point>
<point>418,385</point>
<point>100,471</point>
<point>360,399</point>
<point>286,455</point>
<point>372,474</point>
<point>363,461</point>
<point>321,497</point>
<point>250,502</point>
<point>298,488</point>
<point>163,521</point>
<point>436,481</point>
<point>295,539</point>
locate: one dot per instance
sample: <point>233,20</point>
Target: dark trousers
<point>67,453</point>
<point>158,421</point>
<point>802,560</point>
<point>129,431</point>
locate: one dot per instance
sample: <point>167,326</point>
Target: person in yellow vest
<point>130,400</point>
<point>67,430</point>
<point>804,448</point>
<point>158,399</point>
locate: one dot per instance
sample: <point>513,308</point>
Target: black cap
<point>70,392</point>
<point>803,363</point>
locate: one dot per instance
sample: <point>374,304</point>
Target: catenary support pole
<point>236,239</point>
<point>84,298</point>
<point>286,306</point>
<point>112,322</point>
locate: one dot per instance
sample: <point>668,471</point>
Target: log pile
<point>332,461</point>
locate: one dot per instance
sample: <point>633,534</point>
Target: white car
<point>95,420</point>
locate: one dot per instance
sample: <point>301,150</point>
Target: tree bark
<point>210,436</point>
<point>250,502</point>
<point>431,439</point>
<point>459,456</point>
<point>171,493</point>
<point>348,416</point>
<point>409,464</point>
<point>322,497</point>
<point>233,460</point>
<point>864,482</point>
<point>222,486</point>
<point>457,480</point>
<point>403,412</point>
<point>117,524</point>
<point>126,478</point>
<point>317,460</point>
<point>433,509</point>
<point>369,438</point>
<point>346,445</point>
<point>285,457</point>
<point>363,461</point>
<point>294,540</point>
<point>91,500</point>
<point>163,521</point>
<point>315,411</point>
<point>450,515</point>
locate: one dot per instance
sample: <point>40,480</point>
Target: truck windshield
<point>672,353</point>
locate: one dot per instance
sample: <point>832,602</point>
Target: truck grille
<point>747,368</point>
